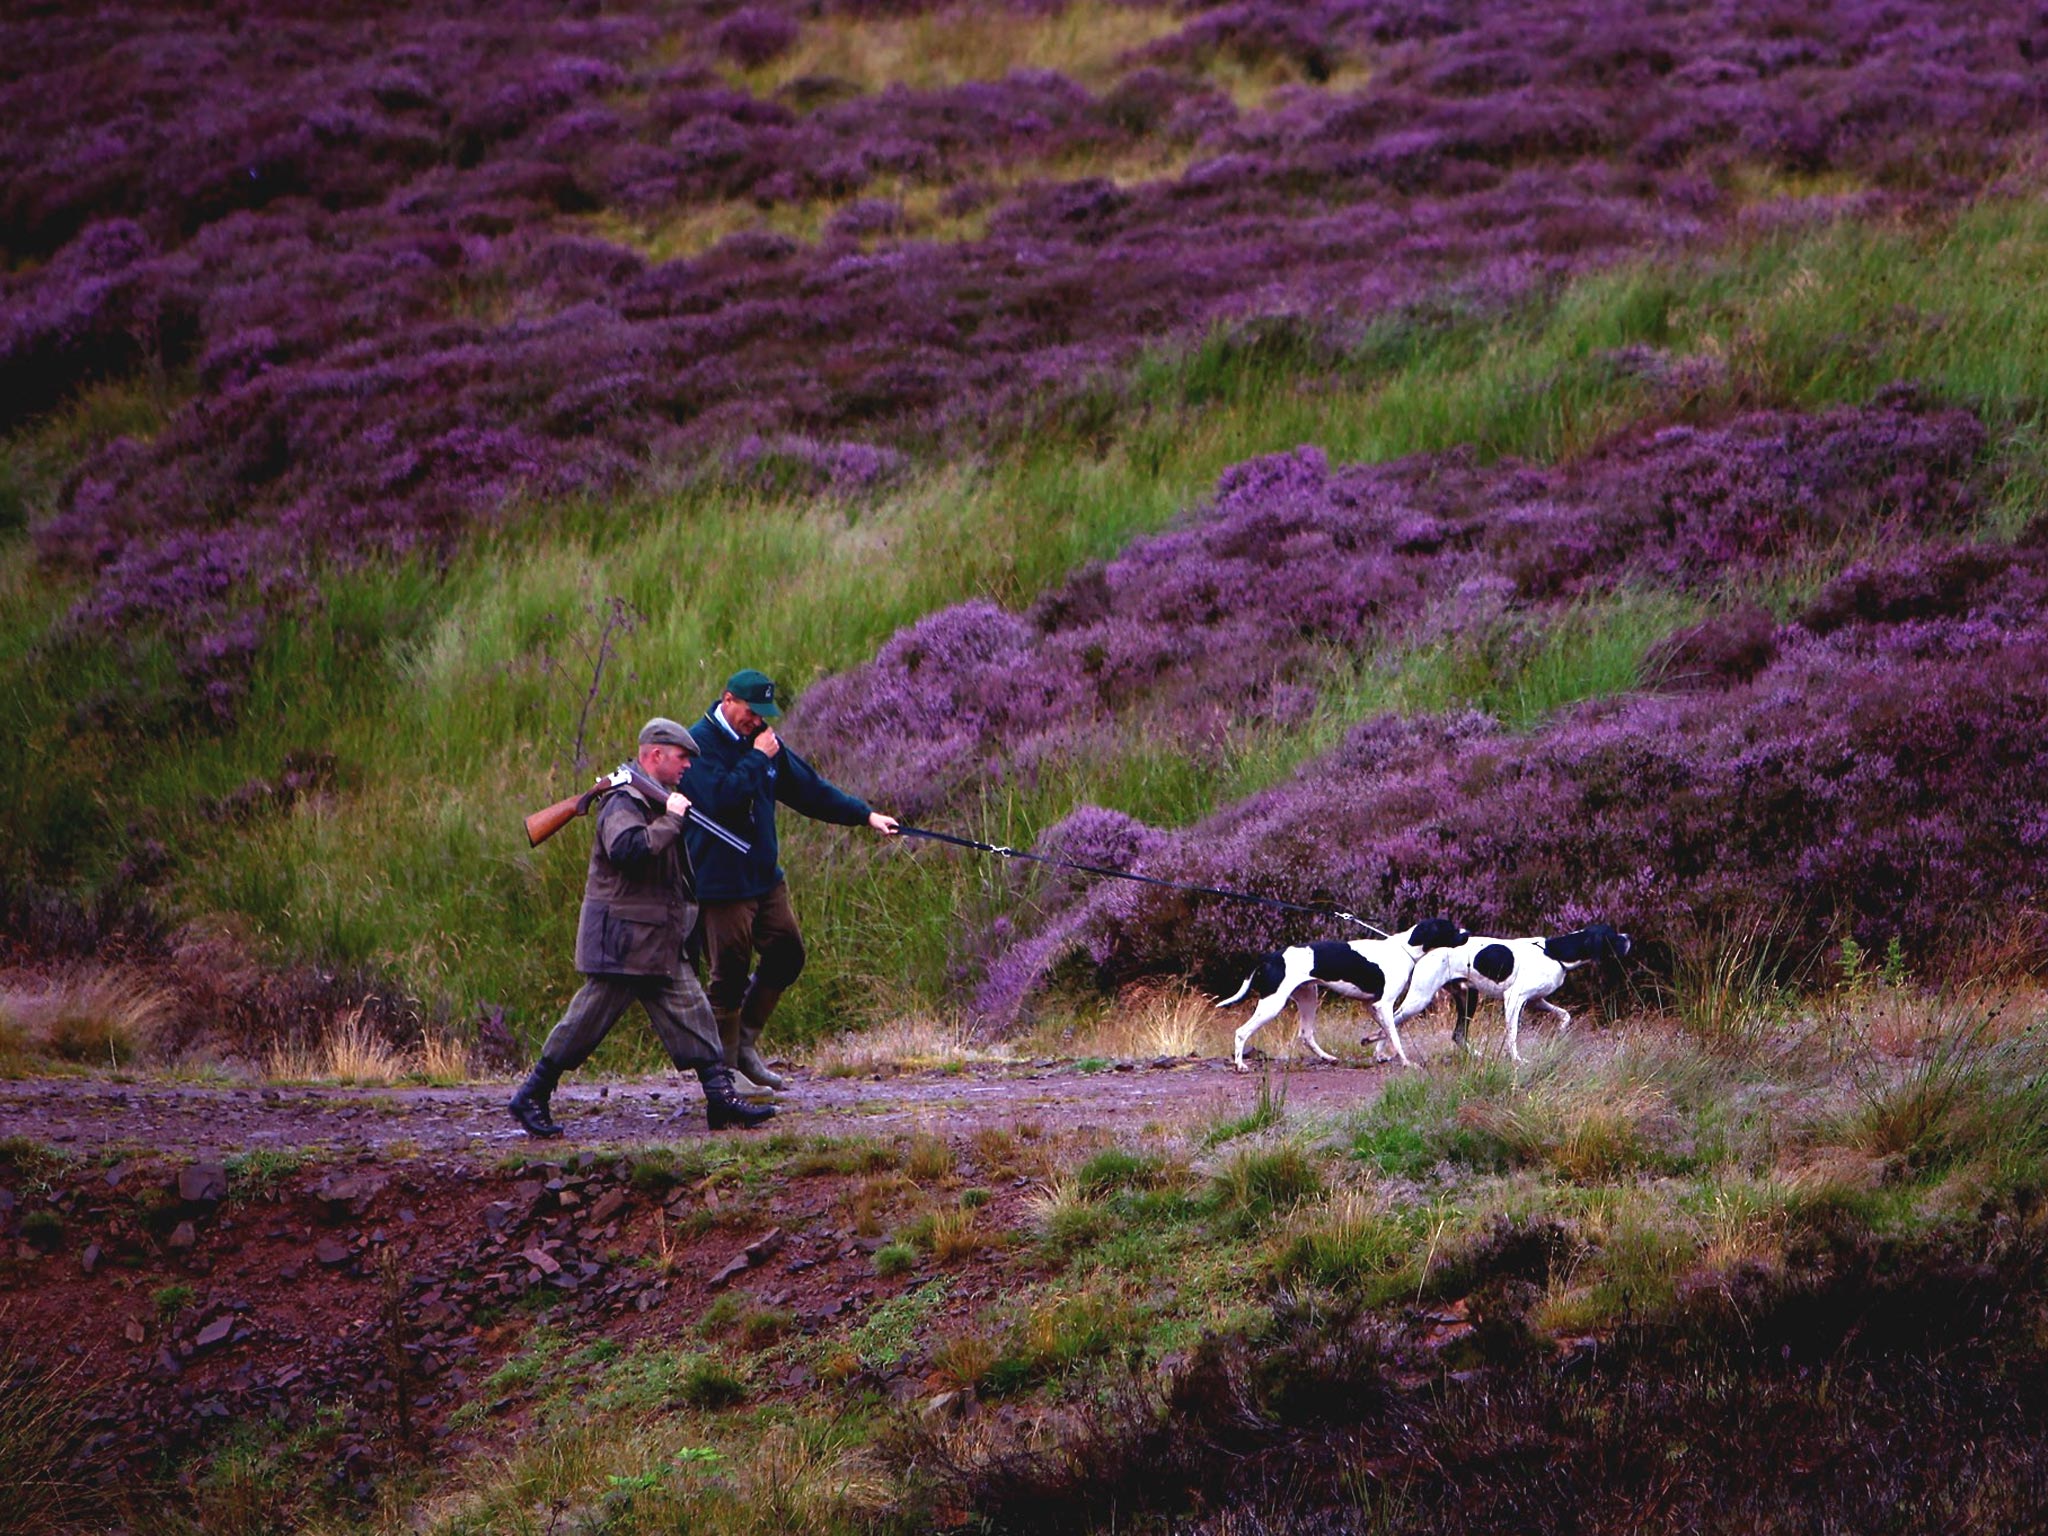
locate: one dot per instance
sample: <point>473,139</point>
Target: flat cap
<point>662,731</point>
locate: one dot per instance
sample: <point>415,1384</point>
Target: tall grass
<point>436,692</point>
<point>41,1423</point>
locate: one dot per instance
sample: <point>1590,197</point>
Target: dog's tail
<point>1239,995</point>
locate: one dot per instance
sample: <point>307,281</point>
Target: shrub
<point>1348,1241</point>
<point>1865,780</point>
<point>1113,1169</point>
<point>1255,1183</point>
<point>893,1259</point>
<point>710,1384</point>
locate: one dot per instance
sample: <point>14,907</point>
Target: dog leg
<point>1306,1001</point>
<point>1261,1016</point>
<point>1512,1006</point>
<point>1564,1020</point>
<point>1386,1016</point>
<point>1464,1000</point>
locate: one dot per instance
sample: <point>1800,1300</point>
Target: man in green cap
<point>639,904</point>
<point>739,773</point>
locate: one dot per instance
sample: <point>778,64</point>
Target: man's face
<point>665,763</point>
<point>739,714</point>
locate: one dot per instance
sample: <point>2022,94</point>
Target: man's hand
<point>678,804</point>
<point>768,742</point>
<point>886,825</point>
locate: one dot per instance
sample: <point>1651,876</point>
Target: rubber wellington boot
<point>753,1067</point>
<point>723,1107</point>
<point>529,1105</point>
<point>760,1001</point>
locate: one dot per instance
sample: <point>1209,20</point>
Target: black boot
<point>529,1105</point>
<point>723,1106</point>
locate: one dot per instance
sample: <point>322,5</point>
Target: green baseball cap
<point>755,690</point>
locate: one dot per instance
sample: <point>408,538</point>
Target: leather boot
<point>723,1107</point>
<point>529,1105</point>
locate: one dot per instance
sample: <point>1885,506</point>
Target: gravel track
<point>87,1116</point>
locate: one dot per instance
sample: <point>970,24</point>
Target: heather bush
<point>1226,626</point>
<point>363,239</point>
<point>1874,779</point>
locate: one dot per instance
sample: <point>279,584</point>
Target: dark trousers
<point>676,1007</point>
<point>743,994</point>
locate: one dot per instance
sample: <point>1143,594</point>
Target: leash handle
<point>1002,851</point>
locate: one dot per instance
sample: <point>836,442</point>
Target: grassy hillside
<point>448,697</point>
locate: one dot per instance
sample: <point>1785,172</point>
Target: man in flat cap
<point>741,770</point>
<point>639,904</point>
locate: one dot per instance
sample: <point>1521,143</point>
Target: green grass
<point>253,1175</point>
<point>1279,1228</point>
<point>450,698</point>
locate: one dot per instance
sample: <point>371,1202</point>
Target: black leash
<point>1125,874</point>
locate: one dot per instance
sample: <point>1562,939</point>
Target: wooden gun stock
<point>544,824</point>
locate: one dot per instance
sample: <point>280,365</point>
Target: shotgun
<point>544,824</point>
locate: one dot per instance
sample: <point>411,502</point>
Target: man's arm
<point>803,789</point>
<point>726,793</point>
<point>628,838</point>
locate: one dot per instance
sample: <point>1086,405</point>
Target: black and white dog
<point>1519,972</point>
<point>1371,970</point>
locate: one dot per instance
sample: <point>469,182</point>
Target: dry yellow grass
<point>107,1018</point>
<point>349,1052</point>
<point>963,1359</point>
<point>1583,1130</point>
<point>440,1059</point>
<point>692,230</point>
<point>793,1483</point>
<point>868,1202</point>
<point>1178,1021</point>
<point>956,1234</point>
<point>1163,1021</point>
<point>917,1042</point>
<point>1085,41</point>
<point>929,1159</point>
<point>1056,1198</point>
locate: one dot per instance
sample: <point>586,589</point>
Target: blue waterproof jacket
<point>738,787</point>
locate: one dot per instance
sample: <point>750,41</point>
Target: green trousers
<point>676,1007</point>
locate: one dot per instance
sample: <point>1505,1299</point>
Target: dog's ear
<point>1437,933</point>
<point>1574,948</point>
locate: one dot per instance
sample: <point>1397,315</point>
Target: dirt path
<point>414,1234</point>
<point>86,1117</point>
